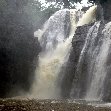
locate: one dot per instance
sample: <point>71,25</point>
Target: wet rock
<point>70,68</point>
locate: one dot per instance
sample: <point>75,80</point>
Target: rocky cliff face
<point>70,68</point>
<point>107,10</point>
<point>70,75</point>
<point>106,4</point>
<point>18,51</point>
<point>78,78</point>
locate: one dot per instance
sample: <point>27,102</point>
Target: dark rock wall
<point>18,51</point>
<point>74,79</point>
<point>82,76</point>
<point>107,10</point>
<point>69,72</point>
<point>106,4</point>
<point>70,69</point>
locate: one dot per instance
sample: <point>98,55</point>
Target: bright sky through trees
<point>77,5</point>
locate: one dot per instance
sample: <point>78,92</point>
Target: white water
<point>52,58</point>
<point>90,39</point>
<point>95,91</point>
<point>89,16</point>
<point>54,55</point>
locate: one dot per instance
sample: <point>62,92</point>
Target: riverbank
<point>46,105</point>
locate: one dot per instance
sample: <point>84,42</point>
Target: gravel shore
<point>46,105</point>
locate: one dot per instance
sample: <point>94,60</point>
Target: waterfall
<point>55,39</point>
<point>99,72</point>
<point>56,46</point>
<point>89,16</point>
<point>88,47</point>
<point>94,55</point>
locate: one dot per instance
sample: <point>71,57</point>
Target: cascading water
<point>99,73</point>
<point>56,45</point>
<point>88,17</point>
<point>95,54</point>
<point>88,47</point>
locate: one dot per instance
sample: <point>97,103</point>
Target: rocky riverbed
<point>47,105</point>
